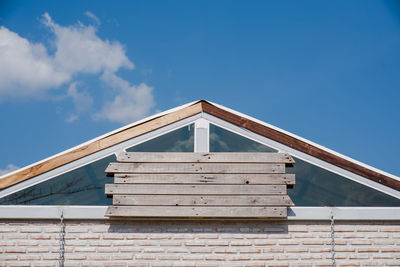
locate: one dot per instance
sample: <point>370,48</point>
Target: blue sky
<point>328,71</point>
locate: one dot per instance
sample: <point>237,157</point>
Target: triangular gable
<point>163,119</point>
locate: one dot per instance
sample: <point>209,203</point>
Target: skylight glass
<point>82,186</point>
<point>180,140</point>
<point>314,186</point>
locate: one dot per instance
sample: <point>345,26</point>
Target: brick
<point>28,257</point>
<point>98,257</point>
<point>273,250</point>
<point>207,236</point>
<point>122,256</point>
<point>218,243</point>
<point>170,243</point>
<point>361,242</point>
<point>113,236</point>
<point>369,249</point>
<point>16,236</point>
<point>195,243</point>
<point>31,230</point>
<point>76,229</point>
<point>26,243</point>
<point>239,258</point>
<point>5,229</point>
<point>215,257</point>
<point>240,243</point>
<point>204,250</point>
<point>153,250</point>
<point>296,250</point>
<point>75,256</point>
<point>41,236</point>
<point>390,249</point>
<point>115,263</point>
<point>84,249</point>
<point>225,251</point>
<point>312,242</point>
<point>136,236</point>
<point>145,257</point>
<point>107,249</point>
<point>289,242</point>
<point>100,243</point>
<point>89,236</point>
<point>130,249</point>
<point>15,250</point>
<point>267,242</point>
<point>52,256</point>
<point>38,250</point>
<point>182,236</point>
<point>168,257</point>
<point>392,228</point>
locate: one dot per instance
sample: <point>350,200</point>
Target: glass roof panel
<point>222,140</point>
<point>82,186</point>
<point>180,140</point>
<point>314,186</point>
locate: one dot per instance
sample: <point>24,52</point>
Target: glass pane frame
<point>303,156</point>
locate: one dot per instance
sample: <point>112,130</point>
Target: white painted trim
<point>201,136</point>
<point>98,155</point>
<point>303,156</point>
<point>306,141</point>
<point>294,213</point>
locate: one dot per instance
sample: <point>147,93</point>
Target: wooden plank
<point>202,200</point>
<point>190,178</point>
<point>249,157</point>
<point>98,145</point>
<point>157,189</point>
<point>185,211</point>
<point>116,167</point>
<point>299,145</point>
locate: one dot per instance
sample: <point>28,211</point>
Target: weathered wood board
<point>167,189</point>
<point>214,178</point>
<point>221,157</point>
<point>194,168</point>
<point>200,185</point>
<point>201,200</point>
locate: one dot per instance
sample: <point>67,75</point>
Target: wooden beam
<point>115,167</point>
<point>98,145</point>
<point>248,157</point>
<point>177,178</point>
<point>185,211</point>
<point>299,145</point>
<point>202,200</point>
<point>164,189</point>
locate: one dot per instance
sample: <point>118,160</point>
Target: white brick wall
<point>196,243</point>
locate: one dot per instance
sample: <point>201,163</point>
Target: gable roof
<point>165,118</point>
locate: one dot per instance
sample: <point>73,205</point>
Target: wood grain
<point>177,178</point>
<point>116,167</point>
<point>164,189</point>
<point>205,157</point>
<point>201,200</point>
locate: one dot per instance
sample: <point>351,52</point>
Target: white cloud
<point>27,69</point>
<point>130,103</point>
<point>93,17</point>
<point>9,168</point>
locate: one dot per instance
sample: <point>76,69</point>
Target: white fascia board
<point>294,213</point>
<point>102,136</point>
<point>98,155</point>
<point>301,155</point>
<point>307,141</point>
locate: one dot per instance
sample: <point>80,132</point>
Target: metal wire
<point>333,239</point>
<point>62,241</point>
